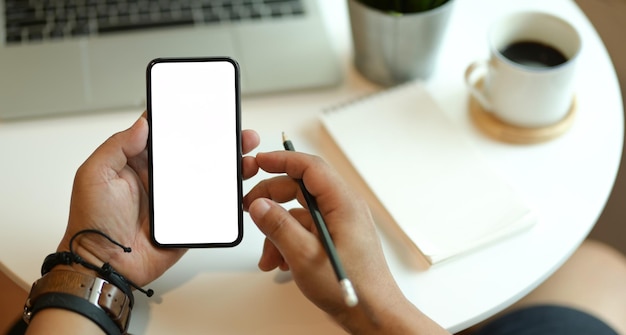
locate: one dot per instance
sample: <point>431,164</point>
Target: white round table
<point>221,291</point>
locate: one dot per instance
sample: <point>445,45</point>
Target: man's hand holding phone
<point>110,194</point>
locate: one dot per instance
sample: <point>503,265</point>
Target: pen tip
<point>285,138</point>
<point>349,294</point>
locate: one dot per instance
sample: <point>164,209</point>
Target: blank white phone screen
<point>195,176</point>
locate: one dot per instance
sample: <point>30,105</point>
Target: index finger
<point>313,170</point>
<point>319,178</point>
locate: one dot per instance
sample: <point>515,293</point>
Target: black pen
<point>349,294</point>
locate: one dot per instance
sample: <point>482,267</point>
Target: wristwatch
<point>80,292</point>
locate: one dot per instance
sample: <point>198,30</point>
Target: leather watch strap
<point>95,290</point>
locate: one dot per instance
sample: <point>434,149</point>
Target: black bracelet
<point>86,287</point>
<point>93,310</point>
<point>106,271</point>
<point>77,305</point>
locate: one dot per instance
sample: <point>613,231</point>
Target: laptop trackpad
<point>49,80</point>
<point>286,61</point>
<point>117,64</point>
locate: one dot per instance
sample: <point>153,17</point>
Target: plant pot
<point>392,48</point>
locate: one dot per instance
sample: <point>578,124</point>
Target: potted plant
<point>397,40</point>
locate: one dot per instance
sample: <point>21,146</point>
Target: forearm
<point>400,317</point>
<point>59,321</point>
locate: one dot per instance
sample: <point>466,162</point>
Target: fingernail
<point>259,207</point>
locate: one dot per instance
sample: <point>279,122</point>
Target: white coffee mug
<point>525,83</point>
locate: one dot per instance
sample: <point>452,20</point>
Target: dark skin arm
<point>293,243</point>
<point>110,194</point>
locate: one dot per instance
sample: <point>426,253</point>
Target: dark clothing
<point>546,320</point>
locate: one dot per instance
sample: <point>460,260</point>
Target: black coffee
<point>533,54</point>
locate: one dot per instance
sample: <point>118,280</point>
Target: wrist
<point>60,321</point>
<point>387,314</point>
<point>70,261</point>
<point>105,270</point>
<point>93,246</point>
<point>86,286</point>
<point>370,318</point>
<point>73,267</point>
<point>95,298</point>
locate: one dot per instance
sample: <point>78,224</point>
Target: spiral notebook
<point>439,190</point>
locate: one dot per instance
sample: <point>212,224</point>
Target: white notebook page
<point>435,185</point>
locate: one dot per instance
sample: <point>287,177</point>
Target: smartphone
<point>194,152</point>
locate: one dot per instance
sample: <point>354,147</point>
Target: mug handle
<point>473,74</point>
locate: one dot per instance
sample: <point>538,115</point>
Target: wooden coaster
<point>489,124</point>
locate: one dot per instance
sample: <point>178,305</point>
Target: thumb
<point>116,150</point>
<point>293,241</point>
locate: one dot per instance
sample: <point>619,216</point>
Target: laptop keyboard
<point>37,20</point>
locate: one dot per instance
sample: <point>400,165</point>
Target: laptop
<point>91,55</point>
